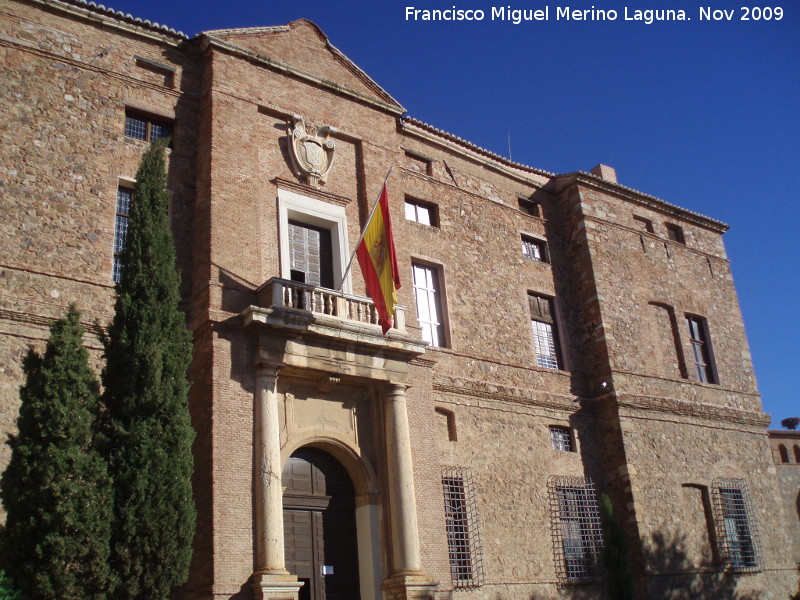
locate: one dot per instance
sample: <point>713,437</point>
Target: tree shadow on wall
<point>674,576</point>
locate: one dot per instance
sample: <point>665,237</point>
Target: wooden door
<point>319,526</point>
<point>310,254</point>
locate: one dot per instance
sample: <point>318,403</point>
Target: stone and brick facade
<point>586,337</point>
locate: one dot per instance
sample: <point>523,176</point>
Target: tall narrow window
<point>575,521</point>
<point>736,531</point>
<point>463,531</point>
<point>124,198</point>
<point>428,295</point>
<point>702,355</point>
<point>545,336</point>
<point>310,254</point>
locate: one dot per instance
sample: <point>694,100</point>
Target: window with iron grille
<point>740,545</point>
<point>463,532</point>
<point>561,438</point>
<point>124,198</point>
<point>141,126</point>
<point>545,335</point>
<point>534,249</point>
<point>575,528</point>
<point>701,349</point>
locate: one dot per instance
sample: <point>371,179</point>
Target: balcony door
<point>310,254</point>
<point>320,526</point>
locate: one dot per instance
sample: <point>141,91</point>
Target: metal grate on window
<point>544,345</point>
<point>561,438</point>
<point>135,127</point>
<point>575,528</point>
<point>124,197</point>
<point>160,130</point>
<point>463,531</point>
<point>740,545</point>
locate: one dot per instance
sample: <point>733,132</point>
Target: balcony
<point>318,328</point>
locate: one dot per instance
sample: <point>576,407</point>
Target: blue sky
<point>703,114</point>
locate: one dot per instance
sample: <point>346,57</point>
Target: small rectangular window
<point>561,438</point>
<point>534,249</point>
<point>141,126</point>
<point>428,295</point>
<point>702,355</point>
<point>529,207</point>
<point>738,537</point>
<point>420,164</point>
<point>545,335</point>
<point>124,199</point>
<point>421,212</point>
<point>675,233</point>
<point>644,224</point>
<point>576,532</point>
<point>462,527</point>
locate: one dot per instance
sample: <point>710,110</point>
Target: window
<point>702,355</point>
<point>797,454</point>
<point>736,531</point>
<point>575,522</point>
<point>124,198</point>
<point>534,249</point>
<point>310,254</point>
<point>427,293</point>
<point>784,453</point>
<point>421,212</point>
<point>461,524</point>
<point>675,233</point>
<point>419,163</point>
<point>141,126</point>
<point>529,206</point>
<point>447,423</point>
<point>644,224</point>
<point>545,339</point>
<point>561,438</point>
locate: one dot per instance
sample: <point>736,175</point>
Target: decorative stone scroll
<point>311,155</point>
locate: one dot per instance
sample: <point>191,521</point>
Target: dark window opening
<point>701,349</point>
<point>675,233</point>
<point>534,249</point>
<point>529,207</point>
<point>149,128</point>
<point>310,255</point>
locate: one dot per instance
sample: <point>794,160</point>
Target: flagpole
<point>364,230</point>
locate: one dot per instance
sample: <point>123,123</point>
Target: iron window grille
<point>124,198</point>
<point>463,532</point>
<point>740,545</point>
<point>141,126</point>
<point>561,438</point>
<point>543,326</point>
<point>575,528</point>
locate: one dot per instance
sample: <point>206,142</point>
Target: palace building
<point>560,337</point>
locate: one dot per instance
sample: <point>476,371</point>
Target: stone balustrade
<point>293,295</point>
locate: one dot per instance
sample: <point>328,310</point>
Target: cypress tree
<point>619,581</point>
<point>56,489</point>
<point>146,392</point>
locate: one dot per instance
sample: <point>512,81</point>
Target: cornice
<point>562,182</point>
<point>209,41</point>
<point>683,408</point>
<point>311,192</point>
<point>493,391</point>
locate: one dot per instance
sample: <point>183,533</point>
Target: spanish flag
<point>379,263</point>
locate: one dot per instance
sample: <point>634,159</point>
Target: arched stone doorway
<point>320,526</point>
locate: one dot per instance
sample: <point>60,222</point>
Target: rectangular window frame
<point>544,328</point>
<point>121,223</point>
<point>561,438</point>
<point>675,233</point>
<point>148,127</point>
<point>644,223</point>
<point>702,352</point>
<point>535,249</point>
<point>529,207</point>
<point>576,530</point>
<point>429,299</point>
<point>462,527</point>
<point>421,212</point>
<point>737,533</point>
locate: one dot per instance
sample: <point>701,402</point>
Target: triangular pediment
<point>303,45</point>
